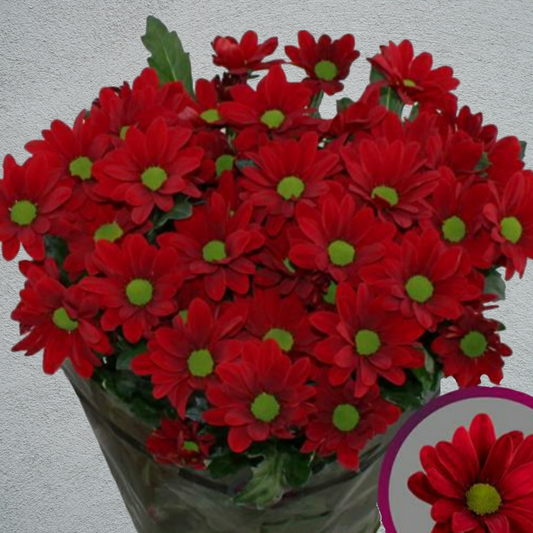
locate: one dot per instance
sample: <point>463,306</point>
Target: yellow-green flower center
<point>367,342</point>
<point>346,417</point>
<point>283,337</point>
<point>61,319</point>
<point>291,187</point>
<point>191,446</point>
<point>210,116</point>
<point>123,132</point>
<point>409,83</point>
<point>326,70</point>
<point>341,253</point>
<point>214,251</point>
<point>200,363</point>
<point>140,292</point>
<point>474,344</point>
<point>265,407</point>
<point>419,288</point>
<point>483,499</point>
<point>273,118</point>
<point>23,213</point>
<point>224,162</point>
<point>454,229</point>
<point>153,178</point>
<point>108,232</point>
<point>81,168</point>
<point>386,193</point>
<point>511,229</point>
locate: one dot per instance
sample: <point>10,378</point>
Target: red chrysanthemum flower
<point>503,161</point>
<point>262,395</point>
<point>183,358</point>
<point>213,244</point>
<point>149,170</point>
<point>208,100</point>
<point>472,123</point>
<point>364,341</point>
<point>31,196</point>
<point>284,320</point>
<point>391,178</point>
<point>512,222</point>
<point>326,62</point>
<point>244,56</point>
<point>412,77</point>
<point>471,347</point>
<point>343,424</point>
<point>478,483</point>
<point>137,286</point>
<point>275,107</point>
<point>424,278</point>
<point>59,320</point>
<point>338,239</point>
<point>286,174</point>
<point>178,443</point>
<point>458,215</point>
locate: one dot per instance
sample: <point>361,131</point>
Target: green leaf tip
<point>168,58</point>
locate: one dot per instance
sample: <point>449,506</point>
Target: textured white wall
<point>55,55</point>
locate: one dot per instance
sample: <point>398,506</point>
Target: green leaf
<point>266,486</point>
<point>297,469</point>
<point>495,284</point>
<point>243,163</point>
<point>182,209</point>
<point>391,100</point>
<point>404,397</point>
<point>168,58</point>
<point>414,113</point>
<point>523,145</point>
<point>484,162</point>
<point>344,103</point>
<point>426,374</point>
<point>126,355</point>
<point>226,465</point>
<point>376,75</point>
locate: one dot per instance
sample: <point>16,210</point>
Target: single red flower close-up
<point>343,425</point>
<point>60,321</point>
<point>263,395</point>
<point>136,287</point>
<point>183,358</point>
<point>176,442</point>
<point>478,483</point>
<point>325,61</point>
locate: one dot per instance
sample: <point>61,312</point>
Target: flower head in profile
<point>477,482</point>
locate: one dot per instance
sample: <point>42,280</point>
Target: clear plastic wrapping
<point>168,499</point>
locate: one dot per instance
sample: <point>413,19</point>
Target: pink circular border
<point>416,419</point>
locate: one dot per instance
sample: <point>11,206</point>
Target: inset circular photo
<point>463,464</point>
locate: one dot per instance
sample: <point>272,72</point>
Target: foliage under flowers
<point>269,286</point>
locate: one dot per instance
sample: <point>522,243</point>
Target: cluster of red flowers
<point>282,266</point>
<point>478,482</point>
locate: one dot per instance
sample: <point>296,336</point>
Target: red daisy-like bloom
<point>286,174</point>
<point>178,443</point>
<point>424,278</point>
<point>391,178</point>
<point>244,56</point>
<point>30,200</point>
<point>59,320</point>
<point>472,123</point>
<point>150,169</point>
<point>262,395</point>
<point>338,239</point>
<point>471,347</point>
<point>183,358</point>
<point>138,285</point>
<point>343,424</point>
<point>275,107</point>
<point>365,341</point>
<point>478,483</point>
<point>458,215</point>
<point>207,99</point>
<point>412,77</point>
<point>284,320</point>
<point>213,244</point>
<point>503,162</point>
<point>326,62</point>
<point>512,222</point>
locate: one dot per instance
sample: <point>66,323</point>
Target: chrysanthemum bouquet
<point>266,287</point>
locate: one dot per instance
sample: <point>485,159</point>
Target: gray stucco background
<point>54,57</point>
